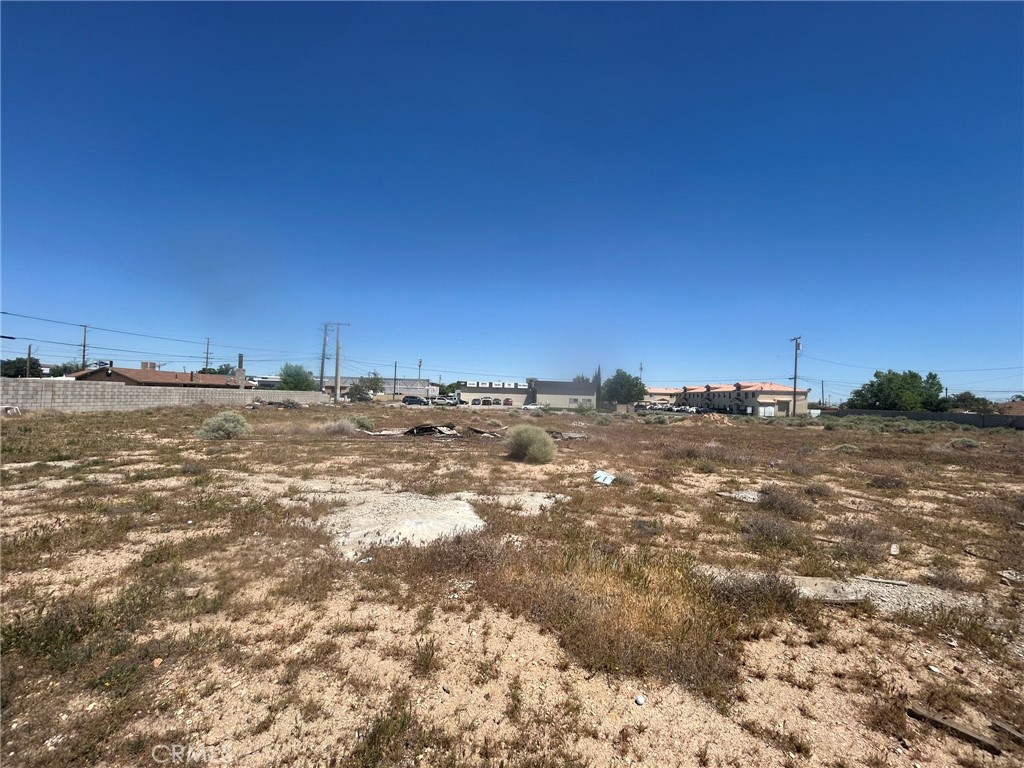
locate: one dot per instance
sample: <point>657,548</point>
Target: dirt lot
<point>283,598</point>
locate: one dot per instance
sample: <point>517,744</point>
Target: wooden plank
<point>1008,730</point>
<point>964,732</point>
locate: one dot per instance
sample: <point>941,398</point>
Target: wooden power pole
<point>796,352</point>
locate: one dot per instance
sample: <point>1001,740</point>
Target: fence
<point>70,395</point>
<point>974,419</point>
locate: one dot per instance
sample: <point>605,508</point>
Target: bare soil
<point>308,595</point>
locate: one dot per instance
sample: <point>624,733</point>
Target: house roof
<point>167,378</point>
<point>1012,408</point>
<point>664,390</point>
<point>745,386</point>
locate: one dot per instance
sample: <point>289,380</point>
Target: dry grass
<point>147,544</point>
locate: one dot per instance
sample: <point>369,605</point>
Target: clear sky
<point>513,190</point>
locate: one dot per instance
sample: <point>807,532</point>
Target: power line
<point>140,335</point>
<point>942,370</point>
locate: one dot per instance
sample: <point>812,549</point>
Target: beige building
<point>658,395</point>
<point>553,394</point>
<point>754,398</point>
<point>565,394</point>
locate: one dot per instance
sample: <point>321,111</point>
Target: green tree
<point>226,369</point>
<point>581,378</point>
<point>907,391</point>
<point>365,386</point>
<point>15,369</point>
<point>623,388</point>
<point>968,401</point>
<point>296,378</point>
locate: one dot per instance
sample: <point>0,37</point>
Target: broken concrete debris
<point>433,429</point>
<point>485,432</point>
<point>750,497</point>
<point>557,435</point>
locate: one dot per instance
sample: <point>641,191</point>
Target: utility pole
<point>337,361</point>
<point>641,371</point>
<point>85,334</point>
<point>823,392</point>
<point>28,363</point>
<point>323,356</point>
<point>394,383</point>
<point>207,363</point>
<point>419,377</point>
<point>796,352</point>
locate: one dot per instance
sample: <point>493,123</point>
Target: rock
<point>446,689</point>
<point>191,593</point>
<point>933,668</point>
<point>640,700</point>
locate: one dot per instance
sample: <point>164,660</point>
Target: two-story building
<point>755,398</point>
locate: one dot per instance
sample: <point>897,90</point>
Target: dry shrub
<point>819,490</point>
<point>530,444</point>
<point>224,426</point>
<point>625,478</point>
<point>758,595</point>
<point>964,443</point>
<point>947,577</point>
<point>623,612</point>
<point>338,427</point>
<point>887,482</point>
<point>782,502</point>
<point>996,510</point>
<point>860,540</point>
<point>772,532</point>
<point>888,714</point>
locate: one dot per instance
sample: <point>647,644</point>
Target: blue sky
<point>513,190</point>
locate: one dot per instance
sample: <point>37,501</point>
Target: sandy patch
<point>374,518</point>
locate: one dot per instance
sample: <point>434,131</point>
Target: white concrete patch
<point>374,518</point>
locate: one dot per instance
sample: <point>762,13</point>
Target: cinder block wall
<point>66,395</point>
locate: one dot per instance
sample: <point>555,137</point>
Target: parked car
<point>508,401</point>
<point>532,407</point>
<point>485,401</point>
<point>476,401</point>
<point>414,400</point>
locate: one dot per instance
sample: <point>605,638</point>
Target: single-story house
<point>140,377</point>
